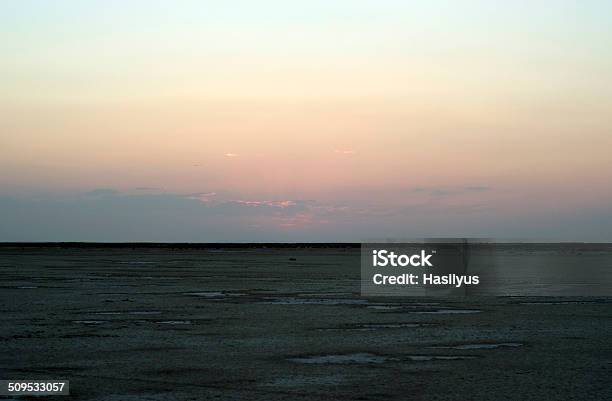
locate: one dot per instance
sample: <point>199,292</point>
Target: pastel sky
<point>305,120</point>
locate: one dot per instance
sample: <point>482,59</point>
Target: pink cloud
<point>202,197</point>
<point>281,204</point>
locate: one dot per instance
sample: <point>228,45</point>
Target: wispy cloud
<point>201,196</point>
<point>449,191</point>
<point>147,189</point>
<point>102,192</point>
<point>345,151</point>
<point>478,188</point>
<point>256,203</point>
<point>231,154</point>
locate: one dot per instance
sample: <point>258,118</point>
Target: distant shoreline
<point>181,245</point>
<point>249,245</point>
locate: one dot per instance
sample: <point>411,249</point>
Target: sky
<point>305,121</point>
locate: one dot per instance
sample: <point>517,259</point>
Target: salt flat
<point>282,324</point>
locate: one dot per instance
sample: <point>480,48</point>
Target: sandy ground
<point>155,324</point>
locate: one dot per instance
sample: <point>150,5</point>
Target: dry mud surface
<point>282,324</point>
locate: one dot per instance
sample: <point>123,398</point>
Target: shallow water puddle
<point>145,312</point>
<point>315,301</point>
<point>324,294</point>
<point>449,312</point>
<point>375,326</point>
<point>360,357</point>
<point>383,307</point>
<point>174,322</point>
<point>389,325</point>
<point>425,358</point>
<point>129,313</point>
<point>216,295</point>
<point>480,346</point>
<point>136,262</point>
<point>208,294</point>
<point>297,381</point>
<point>89,321</point>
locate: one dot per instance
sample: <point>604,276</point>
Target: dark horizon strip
<point>180,245</point>
<point>261,245</point>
